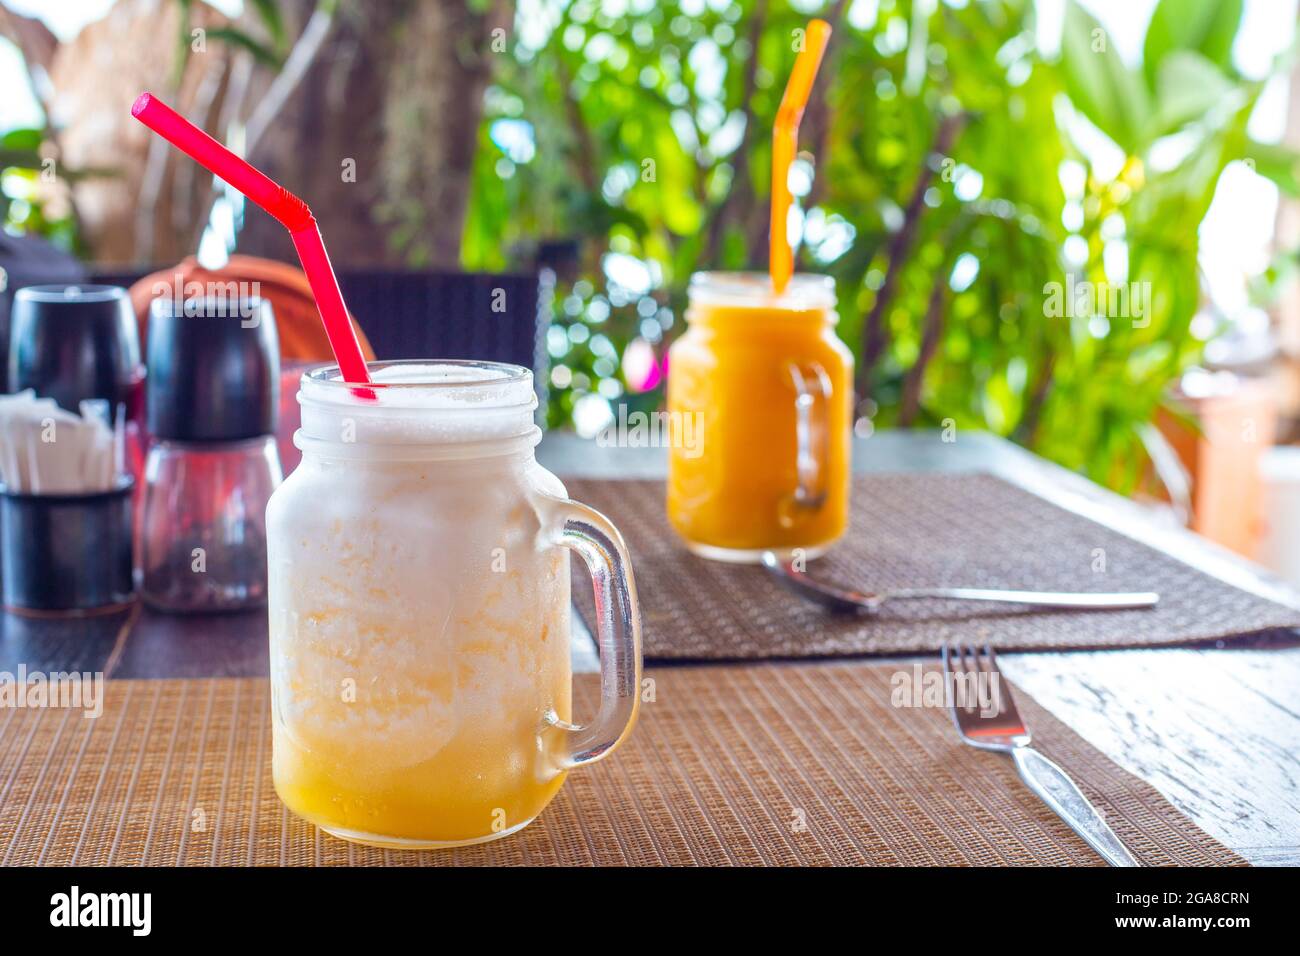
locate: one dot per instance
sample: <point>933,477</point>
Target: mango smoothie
<point>771,384</point>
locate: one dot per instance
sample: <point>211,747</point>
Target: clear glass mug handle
<point>618,631</point>
<point>812,396</point>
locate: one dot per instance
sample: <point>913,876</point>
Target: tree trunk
<point>379,137</point>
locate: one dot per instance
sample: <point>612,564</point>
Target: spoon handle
<point>1036,598</point>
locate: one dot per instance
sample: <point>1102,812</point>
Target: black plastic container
<point>29,260</point>
<point>213,370</point>
<point>67,553</point>
<point>72,343</point>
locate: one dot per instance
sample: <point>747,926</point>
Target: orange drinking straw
<point>785,140</point>
<point>288,209</point>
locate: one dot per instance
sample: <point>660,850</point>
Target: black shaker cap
<point>73,342</point>
<point>214,369</point>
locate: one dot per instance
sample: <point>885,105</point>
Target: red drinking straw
<point>291,212</point>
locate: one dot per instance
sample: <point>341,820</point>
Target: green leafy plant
<point>26,202</point>
<point>991,273</point>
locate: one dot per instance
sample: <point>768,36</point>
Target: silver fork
<point>1003,730</point>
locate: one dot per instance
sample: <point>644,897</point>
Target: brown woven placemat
<point>917,530</point>
<point>770,764</point>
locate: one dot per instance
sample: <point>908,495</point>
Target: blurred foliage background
<point>948,179</point>
<point>24,207</point>
<point>942,183</point>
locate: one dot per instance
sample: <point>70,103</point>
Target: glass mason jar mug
<point>769,386</point>
<point>419,610</point>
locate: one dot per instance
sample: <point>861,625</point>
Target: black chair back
<point>409,314</point>
<point>447,315</point>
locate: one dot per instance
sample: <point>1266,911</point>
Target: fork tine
<point>1005,702</point>
<point>951,654</point>
<point>958,672</point>
<point>992,676</point>
<point>972,673</point>
<point>954,664</point>
<point>958,669</point>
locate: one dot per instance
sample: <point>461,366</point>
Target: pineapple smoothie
<point>419,612</point>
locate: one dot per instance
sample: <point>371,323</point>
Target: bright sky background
<point>1235,236</point>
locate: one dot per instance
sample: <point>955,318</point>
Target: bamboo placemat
<point>754,765</point>
<point>918,530</point>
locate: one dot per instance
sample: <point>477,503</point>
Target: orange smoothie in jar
<point>769,387</point>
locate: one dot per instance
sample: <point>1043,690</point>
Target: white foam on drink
<point>753,290</point>
<point>421,403</point>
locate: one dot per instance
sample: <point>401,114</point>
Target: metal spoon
<point>838,599</point>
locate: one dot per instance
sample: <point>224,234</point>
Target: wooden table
<point>1215,729</point>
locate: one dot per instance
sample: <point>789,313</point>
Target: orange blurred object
<point>1237,424</point>
<point>302,336</point>
<point>785,141</point>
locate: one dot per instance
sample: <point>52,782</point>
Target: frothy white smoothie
<point>419,607</point>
